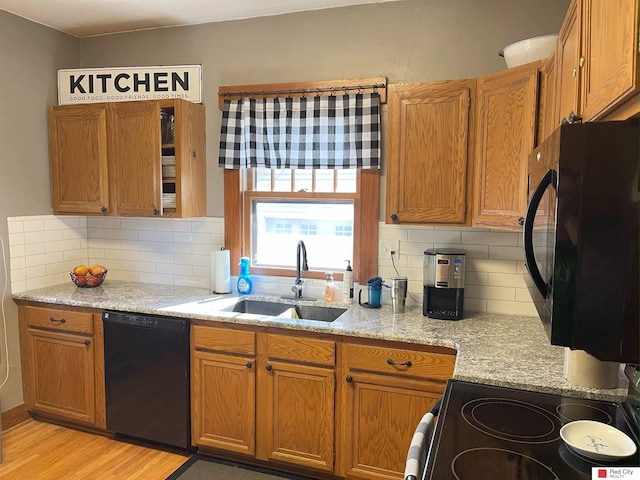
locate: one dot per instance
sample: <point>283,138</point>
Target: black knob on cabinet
<point>87,342</point>
<point>521,221</point>
<point>103,209</point>
<point>394,217</point>
<point>248,364</point>
<point>269,367</point>
<point>193,154</point>
<point>156,212</point>
<point>349,379</point>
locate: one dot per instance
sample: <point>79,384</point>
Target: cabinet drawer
<point>300,349</point>
<point>396,361</point>
<point>223,340</point>
<point>59,320</point>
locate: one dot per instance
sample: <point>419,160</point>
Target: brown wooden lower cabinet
<point>387,391</point>
<point>223,387</point>
<point>296,404</point>
<point>63,364</point>
<point>301,401</point>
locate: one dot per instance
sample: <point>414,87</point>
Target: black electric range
<point>490,432</point>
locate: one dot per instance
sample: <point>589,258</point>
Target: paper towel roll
<point>221,271</point>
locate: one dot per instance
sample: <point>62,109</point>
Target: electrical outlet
<point>391,246</point>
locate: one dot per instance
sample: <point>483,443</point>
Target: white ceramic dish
<point>597,440</point>
<point>529,50</point>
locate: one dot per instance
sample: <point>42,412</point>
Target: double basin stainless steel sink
<point>276,309</point>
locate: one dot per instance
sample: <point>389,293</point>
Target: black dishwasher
<point>147,377</point>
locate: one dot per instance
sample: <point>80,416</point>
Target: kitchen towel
<point>221,271</point>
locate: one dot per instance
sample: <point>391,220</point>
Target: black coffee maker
<point>443,284</point>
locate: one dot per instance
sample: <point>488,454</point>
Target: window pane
<point>303,180</point>
<point>324,180</point>
<point>325,227</point>
<point>262,182</point>
<point>346,180</point>
<point>282,180</point>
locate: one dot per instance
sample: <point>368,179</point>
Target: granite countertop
<point>504,350</point>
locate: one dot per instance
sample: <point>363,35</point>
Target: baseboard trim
<point>14,416</point>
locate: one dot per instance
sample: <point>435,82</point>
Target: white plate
<point>597,440</point>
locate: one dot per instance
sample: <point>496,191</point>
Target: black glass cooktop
<point>488,432</point>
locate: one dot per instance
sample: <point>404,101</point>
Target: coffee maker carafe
<point>443,284</point>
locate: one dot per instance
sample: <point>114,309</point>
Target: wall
<point>30,56</point>
<point>406,41</point>
<point>410,40</point>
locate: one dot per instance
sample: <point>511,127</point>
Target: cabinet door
<point>381,414</point>
<point>61,375</point>
<point>296,410</point>
<point>190,151</point>
<point>610,52</point>
<point>568,63</point>
<point>135,151</point>
<point>223,402</point>
<point>505,134</point>
<point>78,157</point>
<point>428,152</point>
<point>547,112</point>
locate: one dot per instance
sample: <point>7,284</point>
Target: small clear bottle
<point>245,284</point>
<point>329,288</point>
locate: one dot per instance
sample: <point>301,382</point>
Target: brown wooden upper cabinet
<point>107,159</point>
<point>597,60</point>
<point>428,152</point>
<point>504,137</point>
<point>547,105</point>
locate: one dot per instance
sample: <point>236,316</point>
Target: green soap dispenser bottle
<point>245,284</point>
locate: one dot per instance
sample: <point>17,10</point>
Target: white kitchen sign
<point>125,84</point>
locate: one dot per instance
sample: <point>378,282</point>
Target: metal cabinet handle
<point>349,378</point>
<point>394,217</point>
<point>269,367</point>
<point>391,362</point>
<point>156,212</point>
<point>56,321</point>
<point>103,209</point>
<point>87,342</point>
<point>521,221</point>
<point>249,364</point>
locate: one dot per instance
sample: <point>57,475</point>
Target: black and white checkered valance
<point>330,132</point>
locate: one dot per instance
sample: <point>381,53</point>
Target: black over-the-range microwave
<point>581,237</point>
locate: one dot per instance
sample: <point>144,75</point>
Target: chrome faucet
<point>296,288</point>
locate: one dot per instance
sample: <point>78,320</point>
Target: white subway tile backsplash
<point>34,249</point>
<point>490,238</point>
<point>43,249</point>
<point>35,225</point>
<point>506,280</point>
<point>105,222</point>
<point>15,227</point>
<point>153,235</point>
<point>137,224</point>
<point>506,253</point>
<point>142,267</point>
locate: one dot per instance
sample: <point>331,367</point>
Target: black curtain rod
<point>303,91</point>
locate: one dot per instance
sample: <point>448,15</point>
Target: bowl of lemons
<point>87,277</point>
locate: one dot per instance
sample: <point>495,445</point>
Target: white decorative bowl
<point>529,50</point>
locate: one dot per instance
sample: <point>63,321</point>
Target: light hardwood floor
<point>35,450</point>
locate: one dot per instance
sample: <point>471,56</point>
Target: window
<point>308,230</point>
<point>302,162</point>
<point>277,223</point>
<point>335,212</point>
